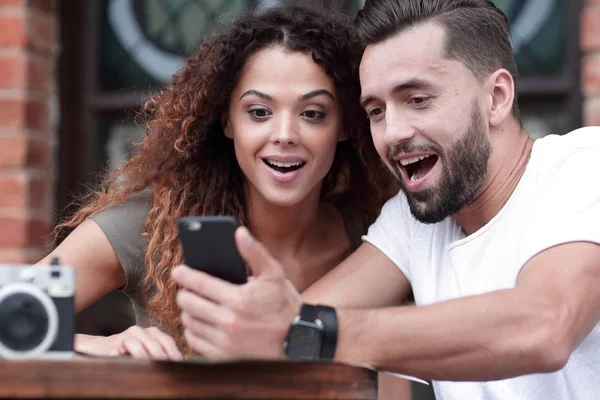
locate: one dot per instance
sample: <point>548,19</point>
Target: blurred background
<point>73,73</point>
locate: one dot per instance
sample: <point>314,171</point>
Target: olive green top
<point>123,224</point>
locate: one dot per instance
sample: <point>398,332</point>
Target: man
<point>496,235</point>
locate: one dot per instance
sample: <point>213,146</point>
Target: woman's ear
<point>226,126</point>
<point>501,87</point>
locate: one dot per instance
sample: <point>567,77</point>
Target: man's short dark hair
<point>477,32</point>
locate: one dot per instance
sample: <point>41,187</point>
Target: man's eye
<point>418,100</point>
<point>374,112</point>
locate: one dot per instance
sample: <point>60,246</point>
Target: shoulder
<point>559,181</point>
<point>133,209</point>
<point>555,149</point>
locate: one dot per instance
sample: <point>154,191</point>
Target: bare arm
<point>98,272</point>
<point>367,278</point>
<point>529,329</point>
<point>97,269</point>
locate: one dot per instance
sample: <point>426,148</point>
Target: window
<point>545,39</point>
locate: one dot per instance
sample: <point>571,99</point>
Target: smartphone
<point>208,245</point>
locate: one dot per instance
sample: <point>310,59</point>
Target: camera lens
<point>23,322</point>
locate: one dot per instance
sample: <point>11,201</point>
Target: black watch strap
<point>330,331</point>
<point>328,318</point>
<point>309,313</point>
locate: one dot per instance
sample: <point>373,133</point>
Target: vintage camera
<point>37,314</point>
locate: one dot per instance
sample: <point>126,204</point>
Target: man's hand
<point>222,319</point>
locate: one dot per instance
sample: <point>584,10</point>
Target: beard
<point>464,167</point>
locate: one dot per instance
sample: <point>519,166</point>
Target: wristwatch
<point>312,334</point>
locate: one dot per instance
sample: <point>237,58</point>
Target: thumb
<point>258,258</point>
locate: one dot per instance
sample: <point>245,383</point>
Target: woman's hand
<point>144,343</point>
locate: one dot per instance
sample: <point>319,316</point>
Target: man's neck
<point>509,160</point>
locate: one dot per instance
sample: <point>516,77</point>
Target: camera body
<point>37,311</point>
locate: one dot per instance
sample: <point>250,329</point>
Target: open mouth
<point>284,167</point>
<point>418,167</point>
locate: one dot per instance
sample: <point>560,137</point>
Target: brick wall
<point>27,87</point>
<point>590,43</point>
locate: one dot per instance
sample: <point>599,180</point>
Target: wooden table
<point>122,378</point>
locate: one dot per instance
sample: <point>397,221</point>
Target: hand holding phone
<point>208,245</point>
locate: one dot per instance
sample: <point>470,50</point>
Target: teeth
<point>412,160</point>
<point>284,165</point>
<point>415,176</point>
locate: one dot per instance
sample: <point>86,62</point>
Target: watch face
<point>304,341</point>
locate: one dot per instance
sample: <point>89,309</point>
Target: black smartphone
<point>208,245</point>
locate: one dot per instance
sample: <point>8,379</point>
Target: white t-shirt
<point>556,201</point>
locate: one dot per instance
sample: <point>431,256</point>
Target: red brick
<point>591,112</point>
<point>12,191</point>
<point>13,32</point>
<point>40,73</point>
<point>19,113</point>
<point>20,70</point>
<point>13,151</point>
<point>21,256</point>
<point>21,190</point>
<point>591,74</point>
<point>35,31</point>
<point>24,152</point>
<point>12,3</point>
<point>13,71</point>
<point>41,32</point>
<point>23,232</point>
<point>590,28</point>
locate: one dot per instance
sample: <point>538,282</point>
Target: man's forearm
<point>487,337</point>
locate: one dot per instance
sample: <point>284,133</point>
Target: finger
<point>151,345</point>
<point>201,329</point>
<point>200,308</point>
<point>200,345</point>
<point>256,255</point>
<point>133,346</point>
<point>116,351</point>
<point>203,284</point>
<point>167,343</point>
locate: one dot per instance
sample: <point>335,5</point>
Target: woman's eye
<point>259,113</point>
<point>314,114</point>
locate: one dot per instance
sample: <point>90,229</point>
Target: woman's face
<point>285,120</point>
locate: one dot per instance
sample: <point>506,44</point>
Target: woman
<point>261,123</point>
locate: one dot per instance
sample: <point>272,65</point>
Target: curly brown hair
<point>191,167</point>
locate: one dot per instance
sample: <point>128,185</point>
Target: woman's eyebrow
<point>257,93</point>
<point>315,93</point>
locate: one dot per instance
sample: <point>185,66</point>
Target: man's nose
<point>285,131</point>
<point>398,128</point>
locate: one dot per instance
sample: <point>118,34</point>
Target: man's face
<point>426,120</point>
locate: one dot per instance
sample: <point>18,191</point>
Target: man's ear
<point>226,126</point>
<point>501,90</point>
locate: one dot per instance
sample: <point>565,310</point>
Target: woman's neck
<point>285,231</point>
